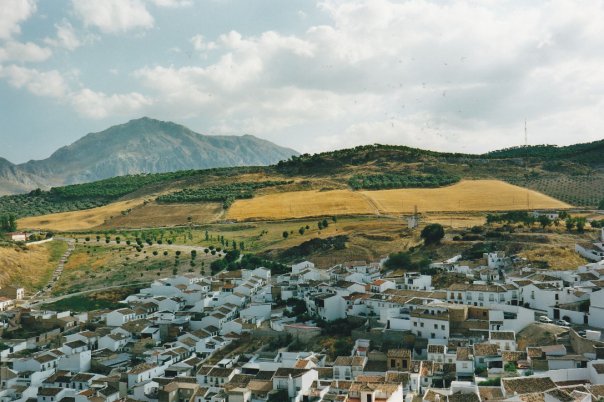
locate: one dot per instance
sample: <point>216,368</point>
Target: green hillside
<point>571,174</point>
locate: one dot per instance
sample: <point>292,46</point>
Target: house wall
<point>77,362</point>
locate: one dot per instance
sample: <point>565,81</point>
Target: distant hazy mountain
<point>140,146</point>
<point>13,179</point>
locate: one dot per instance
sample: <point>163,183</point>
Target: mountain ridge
<point>143,145</point>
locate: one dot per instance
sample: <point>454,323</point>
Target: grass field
<point>160,215</point>
<point>78,220</point>
<point>31,267</point>
<point>468,195</point>
<point>93,265</point>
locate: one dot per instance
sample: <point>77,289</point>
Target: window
<point>492,297</point>
<point>442,327</point>
<point>392,363</point>
<point>421,324</point>
<point>432,335</point>
<point>435,326</point>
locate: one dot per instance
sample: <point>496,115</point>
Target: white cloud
<point>172,3</point>
<point>199,43</point>
<point>41,83</point>
<point>98,105</point>
<point>23,52</point>
<point>113,16</point>
<point>13,13</point>
<point>86,102</point>
<point>462,74</point>
<point>66,37</point>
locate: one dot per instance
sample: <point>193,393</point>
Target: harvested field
<point>162,215</point>
<point>300,204</point>
<point>78,220</point>
<point>468,195</point>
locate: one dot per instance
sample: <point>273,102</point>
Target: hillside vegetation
<point>577,180</point>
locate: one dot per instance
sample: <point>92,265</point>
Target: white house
<point>327,306</point>
<point>430,322</point>
<point>505,340</point>
<point>117,318</point>
<point>348,367</point>
<point>257,311</point>
<point>295,381</point>
<point>113,342</point>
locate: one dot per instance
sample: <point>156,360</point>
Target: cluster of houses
<point>9,296</point>
<point>170,341</point>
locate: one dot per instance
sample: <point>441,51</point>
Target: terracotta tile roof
<point>464,353</point>
<point>436,348</point>
<point>503,335</point>
<point>350,361</point>
<point>534,352</point>
<point>527,385</point>
<point>399,353</point>
<point>513,356</point>
<point>490,393</point>
<point>485,349</point>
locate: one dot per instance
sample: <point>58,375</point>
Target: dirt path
<point>371,203</point>
<point>56,275</point>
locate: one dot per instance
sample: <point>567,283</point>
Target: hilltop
<point>143,145</point>
<point>563,173</point>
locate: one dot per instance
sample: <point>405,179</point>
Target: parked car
<point>582,333</point>
<point>545,319</point>
<point>563,323</point>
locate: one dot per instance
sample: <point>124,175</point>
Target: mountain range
<point>143,145</point>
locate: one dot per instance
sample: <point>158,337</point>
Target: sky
<point>314,76</point>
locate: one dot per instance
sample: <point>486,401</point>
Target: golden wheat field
<point>78,220</point>
<point>300,204</point>
<point>467,195</point>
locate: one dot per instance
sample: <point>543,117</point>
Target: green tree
<point>433,233</point>
<point>285,234</point>
<point>301,230</point>
<point>544,221</point>
<point>570,223</point>
<point>398,260</point>
<point>580,223</point>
